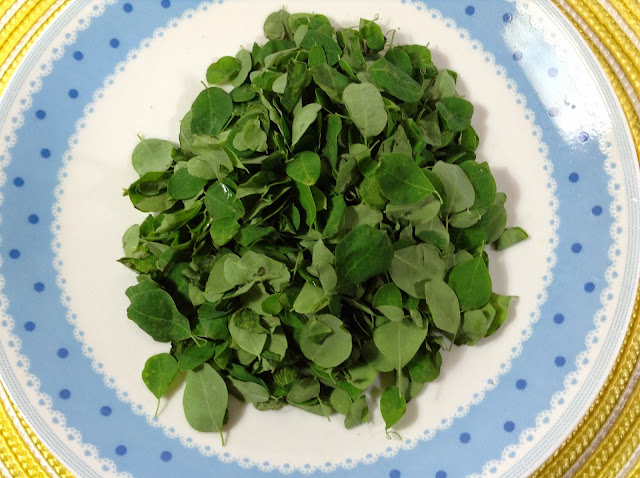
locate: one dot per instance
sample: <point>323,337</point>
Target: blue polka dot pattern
<point>121,450</point>
<point>507,18</point>
<point>521,384</point>
<point>127,7</point>
<point>517,56</point>
<point>465,437</point>
<point>45,153</point>
<point>19,182</point>
<point>596,210</point>
<point>14,254</point>
<point>73,93</point>
<point>583,137</point>
<point>553,112</point>
<point>560,361</point>
<point>166,456</point>
<point>509,426</point>
<point>29,326</point>
<point>165,3</point>
<point>115,43</point>
<point>105,411</point>
<point>395,474</point>
<point>574,177</point>
<point>34,219</point>
<point>38,286</point>
<point>470,10</point>
<point>65,394</point>
<point>589,287</point>
<point>78,55</point>
<point>576,248</point>
<point>558,318</point>
<point>63,353</point>
<point>553,72</point>
<point>41,114</point>
<point>441,474</point>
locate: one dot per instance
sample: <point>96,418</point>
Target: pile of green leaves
<point>322,222</point>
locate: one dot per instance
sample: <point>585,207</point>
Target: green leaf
<point>221,202</point>
<point>211,111</point>
<point>195,355</point>
<point>184,186</point>
<point>250,392</point>
<point>330,80</point>
<point>223,230</point>
<point>154,311</point>
<point>395,81</point>
<point>464,219</point>
<point>401,180</point>
<point>444,86</point>
<point>246,63</point>
<point>457,186</point>
<point>483,184</point>
<point>310,299</point>
<point>477,322</point>
<point>223,70</point>
<point>456,113</point>
<point>296,79</point>
<point>305,168</point>
<point>399,341</point>
<point>366,108</point>
<point>325,341</point>
<point>276,26</point>
<point>212,328</point>
<point>370,193</point>
<point>443,305</point>
<point>159,372</point>
<point>330,151</point>
<point>152,156</point>
<point>250,341</point>
<point>388,294</point>
<point>307,202</point>
<point>413,266</point>
<point>372,34</point>
<point>205,400</point>
<point>501,305</point>
<point>130,240</point>
<point>304,390</point>
<point>510,236</point>
<point>361,254</point>
<point>425,366</point>
<point>358,413</point>
<point>341,401</point>
<point>399,58</point>
<point>302,119</point>
<point>471,283</point>
<point>392,406</point>
<point>419,55</point>
<point>336,214</point>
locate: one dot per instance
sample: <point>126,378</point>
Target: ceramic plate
<point>106,71</point>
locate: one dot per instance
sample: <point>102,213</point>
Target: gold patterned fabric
<point>607,436</point>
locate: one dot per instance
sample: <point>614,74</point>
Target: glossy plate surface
<point>550,128</point>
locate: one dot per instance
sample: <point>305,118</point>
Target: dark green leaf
<point>395,81</point>
<point>401,180</point>
<point>211,111</point>
<point>392,406</point>
<point>471,283</point>
<point>363,253</point>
